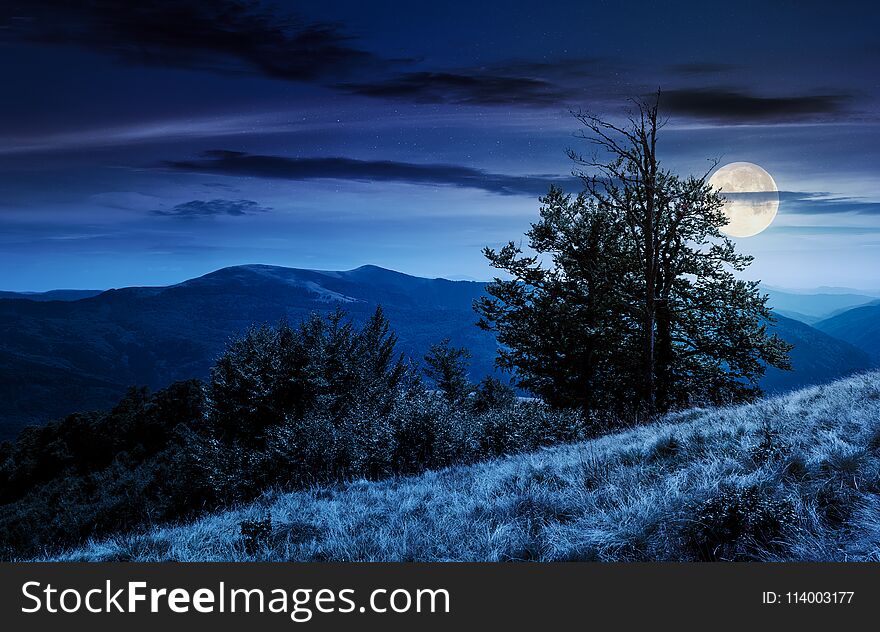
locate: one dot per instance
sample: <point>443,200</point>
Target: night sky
<point>147,143</point>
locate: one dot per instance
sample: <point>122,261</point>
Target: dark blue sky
<point>145,143</point>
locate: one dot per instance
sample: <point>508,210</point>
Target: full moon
<point>751,198</point>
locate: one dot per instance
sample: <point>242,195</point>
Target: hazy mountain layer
<point>859,326</point>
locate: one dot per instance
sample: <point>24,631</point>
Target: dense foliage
<point>630,299</point>
<point>285,407</point>
<point>447,367</point>
<point>142,462</point>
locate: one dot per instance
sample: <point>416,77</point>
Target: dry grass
<point>792,478</point>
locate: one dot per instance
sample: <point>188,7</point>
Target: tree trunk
<point>649,175</point>
<point>663,357</point>
<point>648,386</point>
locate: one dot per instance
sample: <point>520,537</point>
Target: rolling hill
<point>813,307</point>
<point>59,357</point>
<point>817,357</point>
<point>51,295</point>
<point>795,478</point>
<point>859,326</point>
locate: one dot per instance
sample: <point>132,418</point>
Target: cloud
<point>731,106</point>
<point>515,82</point>
<point>227,36</point>
<point>810,203</point>
<point>210,208</point>
<point>464,89</point>
<point>243,37</point>
<point>237,163</point>
<point>817,203</point>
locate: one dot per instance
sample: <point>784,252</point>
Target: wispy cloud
<point>147,132</point>
<point>246,37</point>
<point>817,203</point>
<point>464,89</point>
<point>810,203</point>
<point>237,163</point>
<point>515,82</point>
<point>196,209</point>
<point>225,36</point>
<point>739,107</point>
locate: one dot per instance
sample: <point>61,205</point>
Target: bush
<point>771,447</point>
<point>256,533</point>
<point>447,368</point>
<point>367,446</point>
<point>492,394</point>
<point>734,523</point>
<point>842,477</point>
<point>324,366</point>
<point>530,425</point>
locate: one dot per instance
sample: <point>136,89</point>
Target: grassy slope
<point>628,496</point>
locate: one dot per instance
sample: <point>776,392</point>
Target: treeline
<point>286,406</point>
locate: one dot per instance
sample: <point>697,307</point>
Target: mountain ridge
<point>57,358</point>
<point>50,295</point>
<point>61,357</point>
<point>859,326</point>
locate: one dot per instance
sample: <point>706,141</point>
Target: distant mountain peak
<point>369,267</point>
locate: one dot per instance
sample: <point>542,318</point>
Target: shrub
<point>447,368</point>
<point>367,445</point>
<point>492,394</point>
<point>770,447</point>
<point>843,475</point>
<point>666,447</point>
<point>324,366</point>
<point>256,534</point>
<point>418,423</point>
<point>735,522</point>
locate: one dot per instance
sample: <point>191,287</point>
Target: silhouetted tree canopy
<point>447,367</point>
<point>629,299</point>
